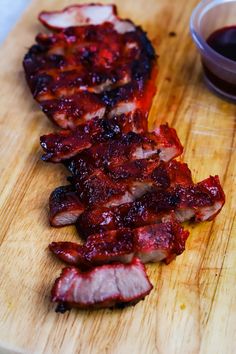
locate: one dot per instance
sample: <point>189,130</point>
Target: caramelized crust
<point>91,70</point>
<point>111,138</point>
<point>65,144</point>
<point>199,202</point>
<point>152,243</point>
<point>94,187</point>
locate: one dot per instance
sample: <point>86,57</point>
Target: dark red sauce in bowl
<point>223,41</point>
<point>213,28</point>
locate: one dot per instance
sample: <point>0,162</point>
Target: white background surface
<point>10,12</point>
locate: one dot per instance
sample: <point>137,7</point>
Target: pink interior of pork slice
<point>64,206</point>
<point>84,15</point>
<point>105,286</point>
<point>163,241</point>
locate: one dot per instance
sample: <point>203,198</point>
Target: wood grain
<point>192,308</point>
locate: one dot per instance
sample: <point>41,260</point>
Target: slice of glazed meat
<point>99,186</point>
<point>108,141</point>
<point>151,243</point>
<point>152,172</point>
<point>90,68</point>
<point>199,202</point>
<point>64,206</point>
<point>105,286</point>
<point>204,200</point>
<point>123,183</point>
<point>65,144</point>
<point>99,189</point>
<point>121,170</point>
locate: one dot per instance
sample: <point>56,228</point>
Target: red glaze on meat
<point>94,74</point>
<point>121,184</point>
<point>100,173</point>
<point>199,202</point>
<point>152,170</point>
<point>112,246</point>
<point>178,173</point>
<point>64,206</point>
<point>106,286</point>
<point>204,200</point>
<point>152,243</point>
<point>109,141</point>
<point>99,188</point>
<point>143,170</point>
<point>65,144</point>
<point>91,69</point>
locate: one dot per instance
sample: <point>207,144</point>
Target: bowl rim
<point>203,7</point>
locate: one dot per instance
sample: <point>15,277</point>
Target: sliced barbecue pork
<point>64,206</point>
<point>109,142</point>
<point>99,189</point>
<point>158,173</point>
<point>105,286</point>
<point>199,202</point>
<point>93,64</point>
<point>151,243</point>
<point>122,184</point>
<point>120,170</point>
<point>65,144</point>
<point>94,74</point>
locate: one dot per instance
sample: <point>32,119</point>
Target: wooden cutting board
<point>192,308</point>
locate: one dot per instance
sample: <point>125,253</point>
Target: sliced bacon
<point>90,68</point>
<point>109,141</point>
<point>199,202</point>
<point>152,243</point>
<point>105,286</point>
